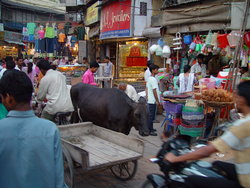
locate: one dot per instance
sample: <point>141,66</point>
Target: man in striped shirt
<point>237,139</point>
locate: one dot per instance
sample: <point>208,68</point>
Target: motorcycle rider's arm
<point>195,155</point>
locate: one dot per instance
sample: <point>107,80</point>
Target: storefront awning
<point>152,32</point>
<point>15,42</point>
<point>214,14</point>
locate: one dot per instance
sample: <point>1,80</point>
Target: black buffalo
<point>109,108</point>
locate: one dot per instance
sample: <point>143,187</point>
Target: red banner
<point>115,19</point>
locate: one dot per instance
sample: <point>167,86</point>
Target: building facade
<point>16,14</point>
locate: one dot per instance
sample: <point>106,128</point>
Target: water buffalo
<point>109,108</point>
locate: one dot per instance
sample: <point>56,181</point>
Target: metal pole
<point>239,47</point>
<point>117,60</point>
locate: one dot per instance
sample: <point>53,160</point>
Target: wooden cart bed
<point>96,147</point>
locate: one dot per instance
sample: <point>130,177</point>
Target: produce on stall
<point>72,72</point>
<point>217,95</point>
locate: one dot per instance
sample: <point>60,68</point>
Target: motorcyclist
<point>54,89</point>
<point>237,139</point>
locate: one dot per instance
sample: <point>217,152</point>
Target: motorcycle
<point>61,118</point>
<point>174,174</point>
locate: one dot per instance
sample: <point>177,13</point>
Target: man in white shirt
<point>130,91</point>
<point>108,70</point>
<point>54,89</point>
<point>10,65</point>
<point>19,63</point>
<point>199,69</point>
<point>153,97</point>
<point>147,73</point>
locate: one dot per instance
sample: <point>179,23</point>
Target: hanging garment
<point>67,26</point>
<point>61,37</point>
<point>36,45</point>
<point>80,33</point>
<point>73,41</point>
<point>25,34</point>
<point>41,45</point>
<point>31,28</point>
<point>49,45</point>
<point>31,38</point>
<point>49,33</point>
<point>60,26</point>
<point>68,40</point>
<point>60,48</point>
<point>41,34</point>
<point>186,84</point>
<point>36,35</point>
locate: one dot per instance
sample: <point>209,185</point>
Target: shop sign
<point>82,49</point>
<point>13,36</point>
<point>92,14</point>
<point>115,20</point>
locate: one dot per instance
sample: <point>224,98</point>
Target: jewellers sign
<point>116,19</point>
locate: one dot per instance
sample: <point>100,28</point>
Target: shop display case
<point>73,73</point>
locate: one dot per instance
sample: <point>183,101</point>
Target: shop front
<point>132,60</point>
<point>11,44</point>
<point>127,52</point>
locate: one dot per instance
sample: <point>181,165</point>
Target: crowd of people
<point>30,151</point>
<point>19,151</point>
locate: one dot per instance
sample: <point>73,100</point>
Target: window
<point>143,9</point>
<point>7,14</point>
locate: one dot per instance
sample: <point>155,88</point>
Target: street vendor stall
<point>220,101</point>
<point>73,73</point>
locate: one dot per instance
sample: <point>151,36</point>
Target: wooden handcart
<point>92,147</point>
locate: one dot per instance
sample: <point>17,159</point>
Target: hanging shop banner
<point>92,14</point>
<point>115,19</point>
<point>1,27</point>
<point>237,8</point>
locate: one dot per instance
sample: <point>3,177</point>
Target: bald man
<point>130,91</point>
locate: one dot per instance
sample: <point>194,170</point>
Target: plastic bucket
<point>208,83</point>
<point>247,39</point>
<point>187,39</point>
<point>222,41</point>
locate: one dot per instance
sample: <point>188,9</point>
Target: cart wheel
<point>124,171</point>
<point>68,168</point>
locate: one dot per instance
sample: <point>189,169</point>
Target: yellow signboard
<point>92,14</point>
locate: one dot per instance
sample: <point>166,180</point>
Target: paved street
<point>106,179</point>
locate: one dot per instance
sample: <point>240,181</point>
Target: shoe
<point>156,121</point>
<point>152,133</point>
<point>154,130</point>
<point>144,135</point>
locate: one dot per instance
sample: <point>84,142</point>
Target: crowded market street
<point>124,93</point>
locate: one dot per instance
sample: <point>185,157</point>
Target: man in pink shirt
<point>88,76</point>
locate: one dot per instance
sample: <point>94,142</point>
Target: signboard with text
<point>92,15</point>
<point>115,19</point>
<point>13,36</point>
